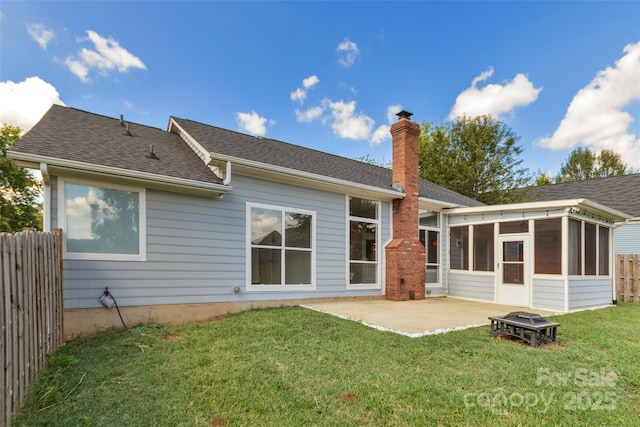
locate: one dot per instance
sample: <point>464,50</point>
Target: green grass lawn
<point>293,366</point>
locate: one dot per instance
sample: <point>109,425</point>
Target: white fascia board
<point>435,205</point>
<point>149,180</point>
<point>533,206</point>
<point>279,173</point>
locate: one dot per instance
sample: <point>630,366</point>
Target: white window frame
<point>379,248</point>
<point>438,230</point>
<point>142,218</point>
<point>282,286</point>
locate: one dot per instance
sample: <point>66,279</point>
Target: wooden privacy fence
<point>628,277</point>
<point>30,311</point>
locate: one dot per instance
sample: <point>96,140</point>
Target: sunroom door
<point>514,280</point>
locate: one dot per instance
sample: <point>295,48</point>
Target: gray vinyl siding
<point>589,292</point>
<point>472,285</point>
<point>196,250</point>
<point>628,239</point>
<point>548,293</point>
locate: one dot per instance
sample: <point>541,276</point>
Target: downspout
<point>227,174</point>
<point>46,203</point>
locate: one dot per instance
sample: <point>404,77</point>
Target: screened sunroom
<point>548,255</point>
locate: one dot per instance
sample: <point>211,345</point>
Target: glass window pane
<point>429,219</point>
<point>590,249</point>
<point>432,247</point>
<point>297,267</point>
<point>432,274</point>
<point>102,220</point>
<point>360,273</point>
<point>548,246</point>
<point>459,244</point>
<point>265,266</point>
<point>483,247</point>
<point>266,227</point>
<point>297,230</point>
<point>512,227</point>
<point>604,251</point>
<point>363,241</point>
<point>363,208</point>
<point>575,247</point>
<point>513,274</point>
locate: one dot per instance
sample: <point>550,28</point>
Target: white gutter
<point>308,177</point>
<point>46,212</point>
<point>554,204</point>
<point>144,177</point>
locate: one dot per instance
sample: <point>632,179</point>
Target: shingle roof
<point>273,152</point>
<point>71,134</point>
<point>618,192</point>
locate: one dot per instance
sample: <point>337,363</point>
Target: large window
<point>364,228</point>
<point>548,246</point>
<point>102,222</point>
<point>459,248</point>
<point>430,238</point>
<point>282,247</point>
<point>483,247</point>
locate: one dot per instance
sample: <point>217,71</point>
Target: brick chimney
<point>405,254</point>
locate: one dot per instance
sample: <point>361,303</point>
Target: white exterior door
<point>514,278</point>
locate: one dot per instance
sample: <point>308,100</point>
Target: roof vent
<point>151,154</point>
<point>121,120</point>
<point>127,131</point>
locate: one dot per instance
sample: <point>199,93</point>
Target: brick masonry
<point>405,254</point>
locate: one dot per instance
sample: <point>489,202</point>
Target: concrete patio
<point>419,318</point>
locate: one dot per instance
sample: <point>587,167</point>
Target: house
<point>198,221</point>
<point>620,192</point>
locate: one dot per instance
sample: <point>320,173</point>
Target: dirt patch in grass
<point>172,337</point>
<point>349,397</point>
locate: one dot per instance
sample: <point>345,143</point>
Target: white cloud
<point>310,81</point>
<point>382,133</point>
<point>349,53</point>
<point>309,114</point>
<point>494,99</point>
<point>252,123</point>
<point>23,104</point>
<point>301,94</point>
<point>40,34</point>
<point>392,111</point>
<point>346,123</point>
<point>298,95</point>
<point>596,115</point>
<point>108,55</point>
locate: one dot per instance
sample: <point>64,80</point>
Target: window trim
<point>379,248</point>
<point>142,217</point>
<point>438,230</point>
<point>283,287</point>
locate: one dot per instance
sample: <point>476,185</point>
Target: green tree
<point>476,157</point>
<point>372,161</point>
<point>583,163</point>
<point>542,178</point>
<point>19,190</point>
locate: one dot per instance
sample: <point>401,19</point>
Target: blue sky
<point>330,75</point>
